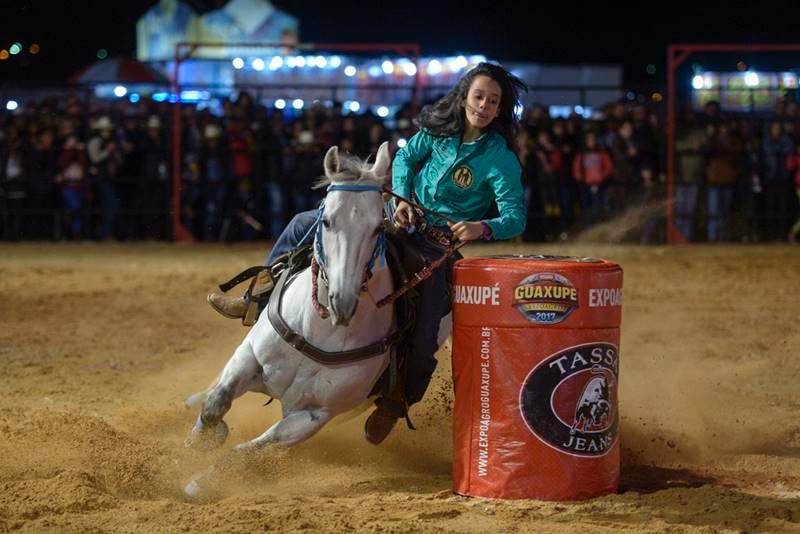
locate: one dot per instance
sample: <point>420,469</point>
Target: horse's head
<point>350,233</point>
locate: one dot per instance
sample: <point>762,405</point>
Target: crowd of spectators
<point>72,170</point>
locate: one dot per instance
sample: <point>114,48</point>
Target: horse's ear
<point>331,161</point>
<point>381,166</point>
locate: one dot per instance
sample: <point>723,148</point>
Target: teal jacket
<point>460,180</point>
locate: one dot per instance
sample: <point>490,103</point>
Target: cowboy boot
<point>249,306</point>
<point>380,422</point>
<point>229,306</point>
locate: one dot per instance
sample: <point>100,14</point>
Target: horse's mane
<point>353,170</point>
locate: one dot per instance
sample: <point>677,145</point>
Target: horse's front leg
<point>296,426</point>
<point>241,374</point>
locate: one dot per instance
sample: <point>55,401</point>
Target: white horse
<point>348,245</point>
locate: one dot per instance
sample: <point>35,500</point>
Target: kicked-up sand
<point>100,344</point>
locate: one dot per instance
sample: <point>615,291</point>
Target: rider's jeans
<point>297,228</point>
<point>432,294</point>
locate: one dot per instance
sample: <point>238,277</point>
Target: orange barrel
<point>535,367</point>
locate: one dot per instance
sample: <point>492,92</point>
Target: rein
<point>451,247</point>
<point>418,207</point>
<point>420,275</point>
<point>321,309</point>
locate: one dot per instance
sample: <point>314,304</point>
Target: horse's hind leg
<point>295,427</point>
<point>240,375</point>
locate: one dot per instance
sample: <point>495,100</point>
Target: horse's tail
<point>196,400</point>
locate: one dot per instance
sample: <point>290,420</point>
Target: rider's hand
<point>467,230</point>
<point>404,214</point>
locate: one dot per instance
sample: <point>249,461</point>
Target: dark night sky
<point>560,31</point>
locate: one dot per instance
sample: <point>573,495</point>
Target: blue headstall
<point>380,246</point>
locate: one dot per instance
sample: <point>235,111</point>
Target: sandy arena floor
<point>100,344</point>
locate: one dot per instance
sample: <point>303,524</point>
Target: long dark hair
<point>445,117</point>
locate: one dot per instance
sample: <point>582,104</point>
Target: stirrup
<point>260,289</point>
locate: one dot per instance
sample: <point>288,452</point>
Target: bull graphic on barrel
<point>593,410</point>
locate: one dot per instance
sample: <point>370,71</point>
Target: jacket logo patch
<point>462,177</point>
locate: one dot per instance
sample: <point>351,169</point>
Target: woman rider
<point>458,164</point>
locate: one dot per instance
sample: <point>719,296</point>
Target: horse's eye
<point>326,223</point>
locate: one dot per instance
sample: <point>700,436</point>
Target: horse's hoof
<point>204,486</point>
<point>192,490</point>
<point>203,438</point>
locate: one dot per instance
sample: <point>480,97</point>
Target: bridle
<point>318,259</point>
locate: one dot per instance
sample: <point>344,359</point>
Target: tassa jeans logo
<point>569,400</point>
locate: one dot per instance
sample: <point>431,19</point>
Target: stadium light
<point>434,67</point>
<point>193,95</point>
<point>401,143</point>
<point>387,66</point>
<point>751,79</point>
<point>280,103</point>
<point>409,68</point>
<point>697,81</point>
<point>275,63</point>
<point>120,91</point>
<point>335,62</point>
<point>134,97</point>
<point>354,106</point>
<point>257,64</point>
<point>237,63</point>
<point>383,111</point>
<point>349,71</point>
<point>298,103</point>
<point>11,105</point>
<point>299,61</point>
<point>322,62</point>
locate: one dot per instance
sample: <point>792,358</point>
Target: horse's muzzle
<point>342,308</point>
